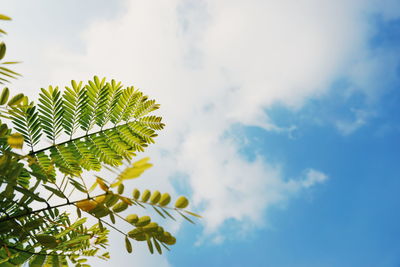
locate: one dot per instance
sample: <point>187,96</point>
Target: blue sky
<point>282,118</point>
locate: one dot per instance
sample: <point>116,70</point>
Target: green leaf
<point>37,261</point>
<point>159,212</point>
<point>15,100</point>
<point>193,214</point>
<point>54,191</point>
<point>157,245</point>
<point>47,240</point>
<point>186,218</point>
<point>2,50</point>
<point>149,244</point>
<point>128,245</point>
<point>51,112</point>
<point>4,96</point>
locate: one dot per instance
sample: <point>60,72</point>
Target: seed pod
<point>136,193</point>
<point>120,206</point>
<point>121,189</point>
<point>146,195</point>
<point>143,221</point>
<point>132,218</point>
<point>165,199</point>
<point>182,202</point>
<point>128,245</point>
<point>155,197</point>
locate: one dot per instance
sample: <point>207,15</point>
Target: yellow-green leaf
<point>4,17</point>
<point>102,184</point>
<point>121,189</point>
<point>182,202</point>
<point>4,96</point>
<point>15,100</point>
<point>155,197</point>
<point>132,218</point>
<point>193,214</point>
<point>120,206</point>
<point>16,140</point>
<point>165,199</point>
<point>86,205</point>
<point>135,171</point>
<point>143,221</point>
<point>146,195</point>
<point>136,193</point>
<point>100,199</point>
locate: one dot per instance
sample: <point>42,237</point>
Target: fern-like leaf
<point>74,105</point>
<point>51,112</point>
<point>97,95</point>
<point>84,106</point>
<point>27,122</point>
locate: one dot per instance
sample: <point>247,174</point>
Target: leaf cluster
<point>84,127</point>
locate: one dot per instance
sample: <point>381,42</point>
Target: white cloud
<point>313,177</point>
<point>213,64</point>
<point>347,127</point>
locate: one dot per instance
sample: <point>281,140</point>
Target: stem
<point>44,209</point>
<point>74,139</point>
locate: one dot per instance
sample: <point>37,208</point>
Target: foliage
<point>88,127</point>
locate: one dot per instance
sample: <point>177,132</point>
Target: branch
<point>76,138</point>
<point>44,209</point>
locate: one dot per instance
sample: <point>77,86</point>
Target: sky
<point>282,118</point>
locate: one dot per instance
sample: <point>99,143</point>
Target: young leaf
<point>4,96</point>
<point>15,140</point>
<point>182,202</point>
<point>86,205</point>
<point>128,245</point>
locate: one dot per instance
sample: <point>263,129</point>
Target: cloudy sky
<point>282,118</point>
